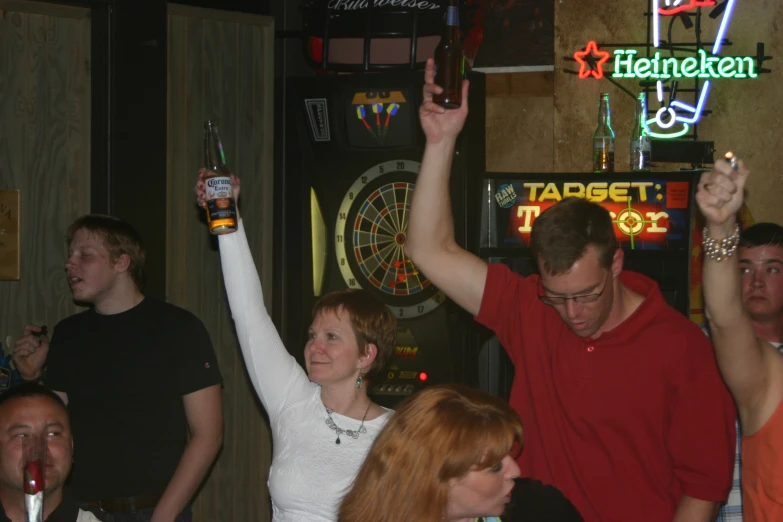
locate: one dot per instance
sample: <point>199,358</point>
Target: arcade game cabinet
<point>653,213</point>
<point>352,150</point>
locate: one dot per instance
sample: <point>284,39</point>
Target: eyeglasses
<point>579,299</point>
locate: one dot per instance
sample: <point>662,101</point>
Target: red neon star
<point>585,71</point>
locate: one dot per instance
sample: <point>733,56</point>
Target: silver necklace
<point>351,433</point>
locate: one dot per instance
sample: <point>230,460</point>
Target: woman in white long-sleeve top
<point>323,421</point>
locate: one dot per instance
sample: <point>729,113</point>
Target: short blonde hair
<point>119,238</point>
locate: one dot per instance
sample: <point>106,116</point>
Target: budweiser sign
<point>355,5</point>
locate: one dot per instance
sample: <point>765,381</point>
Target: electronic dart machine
<point>353,148</point>
<point>653,213</point>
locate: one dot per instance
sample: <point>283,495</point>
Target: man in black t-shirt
<point>138,375</point>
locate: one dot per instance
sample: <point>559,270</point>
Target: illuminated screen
<point>648,215</point>
<point>379,119</point>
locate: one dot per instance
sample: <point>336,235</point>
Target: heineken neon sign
<point>674,118</point>
<point>705,66</point>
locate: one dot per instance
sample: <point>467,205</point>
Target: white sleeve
<point>276,376</point>
<point>86,516</point>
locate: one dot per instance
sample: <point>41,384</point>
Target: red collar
<point>652,304</point>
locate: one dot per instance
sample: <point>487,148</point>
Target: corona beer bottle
<point>449,61</point>
<point>603,138</point>
<point>640,138</point>
<point>221,206</point>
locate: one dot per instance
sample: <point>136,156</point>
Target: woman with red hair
<point>446,454</point>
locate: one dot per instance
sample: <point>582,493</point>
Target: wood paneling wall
<point>44,150</point>
<point>221,67</point>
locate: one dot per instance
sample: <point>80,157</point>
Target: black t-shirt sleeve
<point>533,501</point>
<point>197,366</point>
<point>56,376</point>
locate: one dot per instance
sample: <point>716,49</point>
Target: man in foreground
<point>30,411</point>
<point>623,406</point>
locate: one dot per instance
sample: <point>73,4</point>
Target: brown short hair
<point>762,234</point>
<point>371,320</point>
<point>119,238</point>
<point>562,233</point>
<point>438,434</point>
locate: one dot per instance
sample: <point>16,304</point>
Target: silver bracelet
<point>720,249</point>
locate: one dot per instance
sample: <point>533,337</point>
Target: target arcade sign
<point>648,214</point>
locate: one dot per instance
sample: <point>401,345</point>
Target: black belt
<point>126,504</point>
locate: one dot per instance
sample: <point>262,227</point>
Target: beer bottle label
<point>220,198</point>
<point>603,144</point>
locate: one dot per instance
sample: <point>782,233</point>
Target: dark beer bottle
<point>603,138</point>
<point>221,206</point>
<point>640,138</point>
<point>449,61</point>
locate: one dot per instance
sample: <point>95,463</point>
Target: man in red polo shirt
<point>624,409</point>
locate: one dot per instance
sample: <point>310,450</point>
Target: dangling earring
<point>359,381</point>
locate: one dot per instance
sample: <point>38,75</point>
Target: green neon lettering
<point>740,70</point>
<point>706,65</point>
<point>642,68</point>
<point>690,67</point>
<point>674,65</point>
<point>621,64</point>
<point>628,65</point>
<point>751,66</point>
<point>726,66</point>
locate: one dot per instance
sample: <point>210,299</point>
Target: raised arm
<point>430,243</point>
<point>275,374</point>
<point>751,367</point>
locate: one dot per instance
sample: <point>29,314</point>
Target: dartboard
<point>370,233</point>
